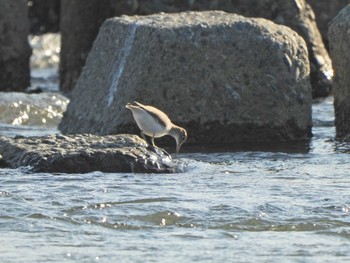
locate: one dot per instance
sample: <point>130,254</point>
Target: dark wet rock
<point>339,39</point>
<point>14,47</point>
<point>44,16</point>
<point>298,15</point>
<point>224,77</point>
<point>2,162</point>
<point>84,153</point>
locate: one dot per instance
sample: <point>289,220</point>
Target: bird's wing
<point>158,115</point>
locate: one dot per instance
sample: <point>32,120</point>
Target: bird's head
<point>180,136</point>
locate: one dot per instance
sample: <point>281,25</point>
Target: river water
<point>239,206</point>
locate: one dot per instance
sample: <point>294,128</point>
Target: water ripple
<point>244,206</point>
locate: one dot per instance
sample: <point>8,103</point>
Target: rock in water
<point>84,153</point>
<point>223,77</point>
<point>298,15</point>
<point>14,46</point>
<point>339,43</point>
<point>87,16</point>
<point>325,11</point>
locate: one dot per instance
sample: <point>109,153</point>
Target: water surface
<point>239,206</point>
<point>249,206</point>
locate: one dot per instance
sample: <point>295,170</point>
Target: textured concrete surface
<point>295,14</point>
<point>14,47</point>
<point>325,11</point>
<point>84,153</point>
<point>339,43</point>
<point>298,15</point>
<point>224,77</point>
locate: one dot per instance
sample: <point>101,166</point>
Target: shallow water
<point>250,206</point>
<point>242,206</point>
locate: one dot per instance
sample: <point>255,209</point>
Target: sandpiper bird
<point>155,123</point>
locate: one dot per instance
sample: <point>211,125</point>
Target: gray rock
<point>87,17</point>
<point>14,47</point>
<point>298,15</point>
<point>339,43</point>
<point>84,153</point>
<point>224,77</point>
<point>2,163</point>
<point>325,11</point>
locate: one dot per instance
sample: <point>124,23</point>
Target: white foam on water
<point>119,64</point>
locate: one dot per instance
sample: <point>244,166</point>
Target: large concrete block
<point>14,47</point>
<point>224,77</point>
<point>299,16</point>
<point>339,43</point>
<point>295,14</point>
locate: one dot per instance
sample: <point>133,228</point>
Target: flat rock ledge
<point>84,153</point>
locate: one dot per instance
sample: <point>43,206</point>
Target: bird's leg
<point>152,140</point>
<point>151,147</point>
<point>144,137</point>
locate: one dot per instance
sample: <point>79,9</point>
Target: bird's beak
<point>178,147</point>
<point>180,138</point>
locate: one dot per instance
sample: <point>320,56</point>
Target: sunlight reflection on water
<point>240,206</point>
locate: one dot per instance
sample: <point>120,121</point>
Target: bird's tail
<point>136,104</point>
<point>129,106</point>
